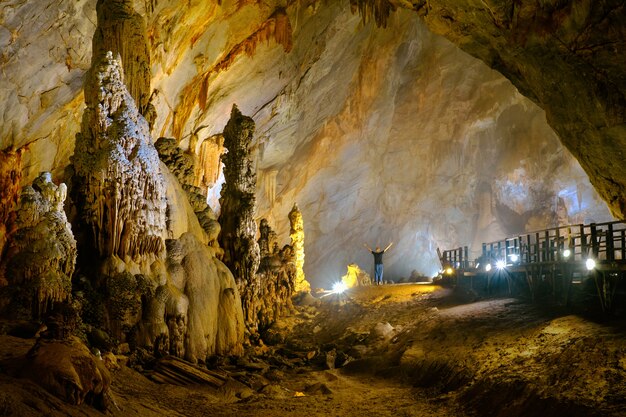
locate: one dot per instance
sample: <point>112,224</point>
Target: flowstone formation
<point>41,253</point>
<point>277,278</point>
<point>237,238</point>
<point>297,242</point>
<point>183,166</point>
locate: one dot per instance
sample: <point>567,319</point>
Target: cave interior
<point>191,194</point>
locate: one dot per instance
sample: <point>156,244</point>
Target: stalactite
<point>277,27</point>
<point>377,10</point>
<point>237,238</point>
<point>297,242</point>
<point>122,31</point>
<point>41,253</point>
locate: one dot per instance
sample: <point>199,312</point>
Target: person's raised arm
<point>388,246</point>
<point>367,247</point>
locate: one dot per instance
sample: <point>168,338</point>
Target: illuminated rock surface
<point>390,134</point>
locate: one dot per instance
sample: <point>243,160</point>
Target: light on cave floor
<point>488,267</point>
<point>500,264</point>
<point>590,264</point>
<point>567,253</point>
<point>339,287</point>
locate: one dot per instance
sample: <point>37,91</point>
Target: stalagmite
<point>118,184</point>
<point>182,301</point>
<point>41,253</point>
<point>297,242</point>
<point>277,278</point>
<point>237,238</point>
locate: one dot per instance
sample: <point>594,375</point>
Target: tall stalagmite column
<point>237,238</point>
<point>297,242</point>
<point>119,189</point>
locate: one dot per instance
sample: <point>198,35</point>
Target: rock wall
<point>567,56</point>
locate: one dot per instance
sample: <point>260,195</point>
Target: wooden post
<point>610,249</point>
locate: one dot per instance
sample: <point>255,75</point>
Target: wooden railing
<point>601,241</point>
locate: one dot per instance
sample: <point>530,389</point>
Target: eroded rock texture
<point>67,369</point>
<point>118,185</point>
<point>41,253</point>
<point>355,277</point>
<point>238,235</point>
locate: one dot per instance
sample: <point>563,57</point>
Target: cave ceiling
<point>513,123</point>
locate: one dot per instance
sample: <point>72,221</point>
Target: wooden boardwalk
<point>547,263</point>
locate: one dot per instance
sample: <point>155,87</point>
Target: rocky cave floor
<point>393,350</point>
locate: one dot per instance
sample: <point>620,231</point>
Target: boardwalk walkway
<point>547,263</point>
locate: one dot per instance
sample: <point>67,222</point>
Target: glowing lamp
<point>500,264</point>
<point>449,271</point>
<point>488,267</point>
<point>339,287</point>
<point>514,257</point>
<point>567,253</point>
<point>590,264</point>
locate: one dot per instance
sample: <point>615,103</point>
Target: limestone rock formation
<point>118,186</point>
<point>197,310</point>
<point>277,278</point>
<point>356,277</point>
<point>67,369</point>
<point>238,235</point>
<point>10,175</point>
<point>296,233</point>
<point>185,303</point>
<point>566,56</point>
<point>41,253</point>
<point>410,138</point>
<point>122,31</point>
<point>183,166</point>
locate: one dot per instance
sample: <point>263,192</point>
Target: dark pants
<point>378,277</point>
